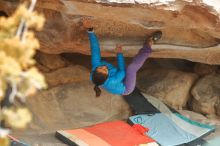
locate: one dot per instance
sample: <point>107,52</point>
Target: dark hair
<point>98,79</point>
<point>97,91</point>
<point>2,13</point>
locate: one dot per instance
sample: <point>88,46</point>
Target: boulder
<point>190,28</point>
<point>74,105</point>
<point>170,86</point>
<point>205,69</point>
<point>50,61</point>
<point>70,74</point>
<point>206,95</point>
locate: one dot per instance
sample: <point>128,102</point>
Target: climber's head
<point>99,76</point>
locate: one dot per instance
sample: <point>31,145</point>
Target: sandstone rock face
<point>70,74</point>
<point>206,95</point>
<point>42,68</point>
<point>205,69</point>
<point>50,61</point>
<point>170,86</point>
<point>217,107</point>
<point>73,106</point>
<point>190,29</point>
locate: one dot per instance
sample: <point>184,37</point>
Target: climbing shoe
<point>156,36</point>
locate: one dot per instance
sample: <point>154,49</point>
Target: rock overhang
<point>190,28</point>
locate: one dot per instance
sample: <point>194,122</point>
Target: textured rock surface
<point>69,106</point>
<point>74,105</point>
<point>206,93</point>
<point>50,61</point>
<point>191,29</point>
<point>170,86</point>
<point>205,69</point>
<point>70,74</point>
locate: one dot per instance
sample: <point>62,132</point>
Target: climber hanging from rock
<point>116,80</point>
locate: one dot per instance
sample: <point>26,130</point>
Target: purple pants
<point>136,64</point>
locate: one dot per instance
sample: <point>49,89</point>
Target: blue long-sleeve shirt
<point>114,83</point>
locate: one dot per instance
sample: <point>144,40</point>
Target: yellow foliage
<point>4,141</point>
<point>17,64</point>
<point>21,51</point>
<point>16,55</point>
<point>31,77</point>
<point>17,118</point>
